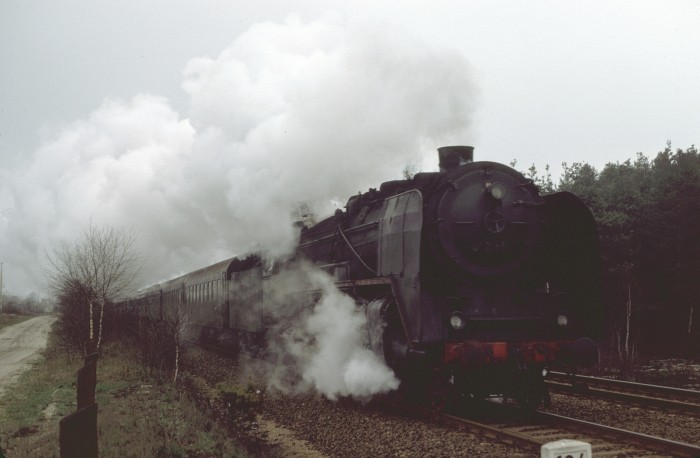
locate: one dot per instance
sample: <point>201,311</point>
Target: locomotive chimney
<point>453,156</point>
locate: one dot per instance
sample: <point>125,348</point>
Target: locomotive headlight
<point>497,190</point>
<point>457,321</point>
<point>562,320</point>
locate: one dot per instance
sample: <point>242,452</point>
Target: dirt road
<point>19,346</point>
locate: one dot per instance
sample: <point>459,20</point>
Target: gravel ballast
<point>310,425</point>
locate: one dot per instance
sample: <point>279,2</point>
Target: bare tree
<point>177,323</point>
<point>409,171</point>
<point>163,338</point>
<point>96,270</point>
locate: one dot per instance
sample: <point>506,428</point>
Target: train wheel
<point>440,392</point>
<point>532,391</point>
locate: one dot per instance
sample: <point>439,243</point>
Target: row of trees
<point>30,305</point>
<point>648,215</point>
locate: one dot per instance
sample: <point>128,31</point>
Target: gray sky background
<point>200,123</point>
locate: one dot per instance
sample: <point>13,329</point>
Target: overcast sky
<point>200,123</point>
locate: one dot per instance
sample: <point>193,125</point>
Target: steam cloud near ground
<point>324,349</point>
<point>290,112</point>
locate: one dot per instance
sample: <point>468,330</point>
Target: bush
<point>238,397</point>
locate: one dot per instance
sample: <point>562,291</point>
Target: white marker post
<point>566,448</point>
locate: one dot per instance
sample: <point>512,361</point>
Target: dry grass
<point>137,416</point>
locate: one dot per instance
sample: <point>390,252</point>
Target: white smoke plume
<point>290,112</point>
<point>322,348</point>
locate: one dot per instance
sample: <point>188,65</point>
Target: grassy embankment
<point>137,416</point>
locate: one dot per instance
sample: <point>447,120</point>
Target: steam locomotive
<point>477,283</point>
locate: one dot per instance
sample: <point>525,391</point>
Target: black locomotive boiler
<point>485,282</point>
<point>477,283</point>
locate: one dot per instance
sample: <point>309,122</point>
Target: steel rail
<point>627,398</point>
<point>532,430</point>
<point>611,434</point>
<point>667,398</point>
<point>674,448</point>
<point>633,387</point>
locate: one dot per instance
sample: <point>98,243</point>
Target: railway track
<point>510,425</point>
<point>667,398</point>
